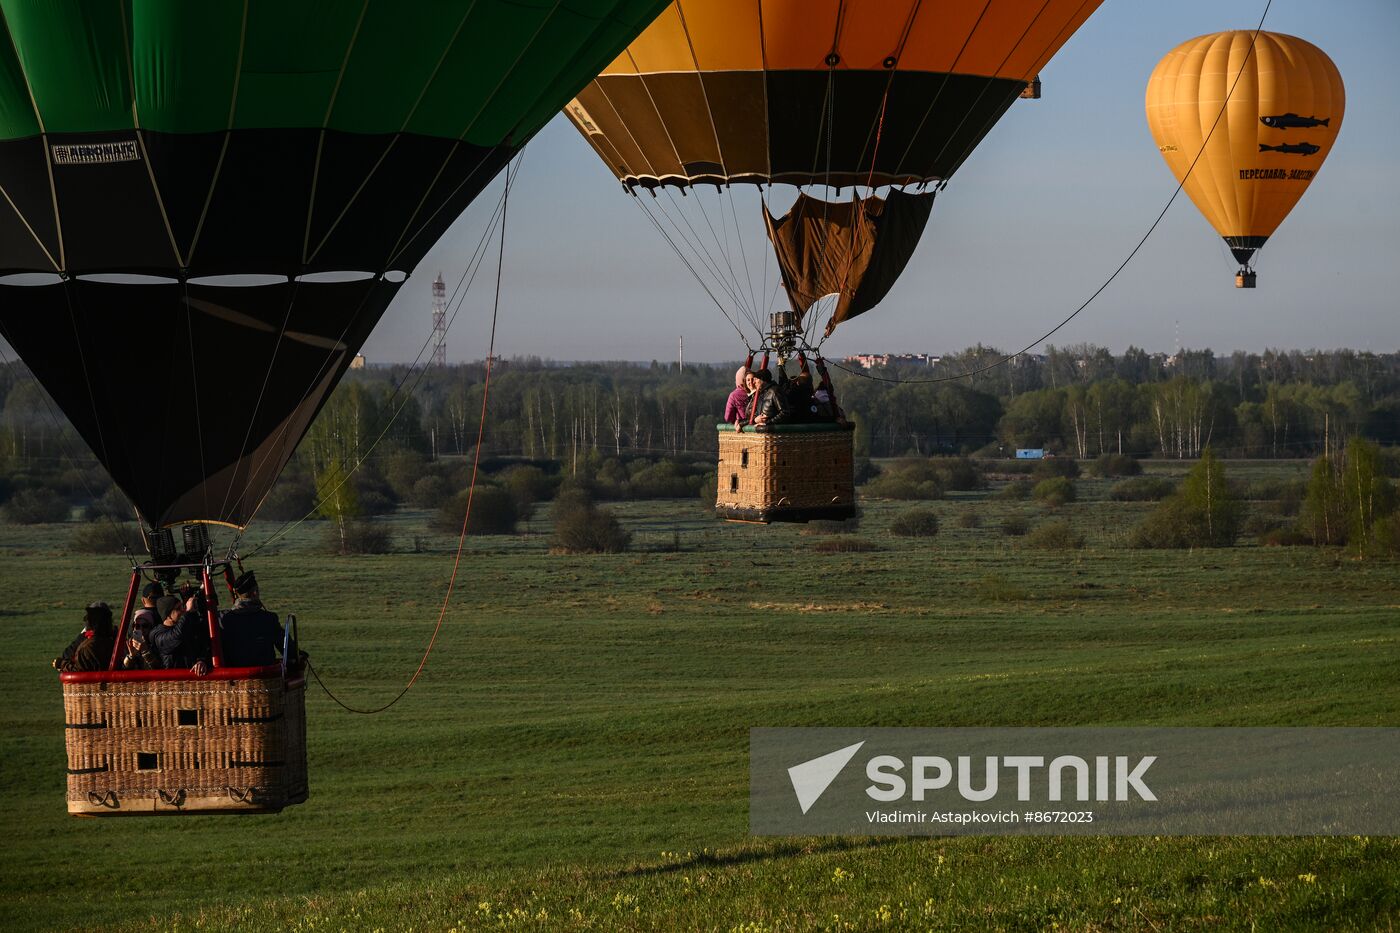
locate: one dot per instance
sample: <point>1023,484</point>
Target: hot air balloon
<point>1253,162</point>
<point>885,98</point>
<point>206,208</point>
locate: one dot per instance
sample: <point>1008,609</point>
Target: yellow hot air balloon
<point>1285,109</point>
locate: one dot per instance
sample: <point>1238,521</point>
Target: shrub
<point>844,545</point>
<point>1283,537</point>
<point>1055,536</point>
<point>589,530</point>
<point>661,480</point>
<point>1054,492</point>
<point>493,512</point>
<point>969,519</point>
<point>111,504</point>
<point>527,484</point>
<point>102,537</point>
<point>824,526</point>
<point>375,502</point>
<point>1164,527</point>
<point>999,588</point>
<point>1142,489</point>
<point>402,471</point>
<point>917,523</point>
<point>909,479</point>
<point>709,489</point>
<point>36,507</point>
<point>1013,526</point>
<point>1018,490</point>
<point>359,538</point>
<point>1115,465</point>
<point>373,494</point>
<point>1259,523</point>
<point>960,474</point>
<point>1056,466</point>
<point>292,498</point>
<point>428,492</point>
<point>864,471</point>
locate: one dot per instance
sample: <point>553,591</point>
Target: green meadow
<point>574,756</point>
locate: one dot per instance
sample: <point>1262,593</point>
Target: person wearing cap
<point>250,635</point>
<point>181,641</point>
<point>138,651</point>
<point>92,650</point>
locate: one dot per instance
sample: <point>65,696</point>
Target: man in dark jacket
<point>251,636</point>
<point>181,641</point>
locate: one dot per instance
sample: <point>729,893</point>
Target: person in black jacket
<point>251,636</point>
<point>182,638</point>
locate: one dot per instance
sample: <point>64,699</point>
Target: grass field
<point>575,754</point>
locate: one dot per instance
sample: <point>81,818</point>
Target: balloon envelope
<point>818,93</point>
<point>1285,108</point>
<point>323,145</point>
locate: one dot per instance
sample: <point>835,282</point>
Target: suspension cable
<point>471,487</point>
<point>459,293</point>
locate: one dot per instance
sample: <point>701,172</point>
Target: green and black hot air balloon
<point>206,206</point>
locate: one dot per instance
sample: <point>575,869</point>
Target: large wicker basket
<point>142,742</point>
<point>786,473</point>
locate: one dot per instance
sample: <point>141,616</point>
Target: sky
<point>1038,217</point>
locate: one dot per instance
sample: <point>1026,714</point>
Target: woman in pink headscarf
<point>736,409</point>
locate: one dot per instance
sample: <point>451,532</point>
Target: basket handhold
<point>177,799</point>
<point>106,799</point>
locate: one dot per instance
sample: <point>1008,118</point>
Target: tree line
<point>1080,401</point>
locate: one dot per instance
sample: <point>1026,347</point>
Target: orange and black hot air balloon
<point>1253,161</point>
<point>885,97</point>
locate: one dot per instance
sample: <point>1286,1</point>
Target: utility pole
<point>439,358</point>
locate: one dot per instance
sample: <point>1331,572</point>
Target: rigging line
<point>403,127</point>
<point>228,134</point>
<point>1121,266</point>
<point>471,488</point>
<point>194,378</point>
<point>468,276</point>
<point>141,140</point>
<point>262,391</point>
<point>693,271</point>
<point>312,382</point>
<point>743,253</point>
<point>987,84</point>
<point>1029,73</point>
<point>696,243</point>
<point>321,136</point>
<point>942,86</point>
<point>723,249</point>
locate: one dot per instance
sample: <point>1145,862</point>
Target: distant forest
<point>1079,401</point>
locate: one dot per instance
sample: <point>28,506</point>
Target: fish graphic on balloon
<point>1303,149</point>
<point>1291,121</point>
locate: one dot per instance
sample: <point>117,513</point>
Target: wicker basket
<point>142,742</point>
<point>786,473</point>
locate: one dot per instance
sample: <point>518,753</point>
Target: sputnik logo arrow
<point>811,778</point>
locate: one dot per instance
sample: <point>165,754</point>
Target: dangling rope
<point>471,489</point>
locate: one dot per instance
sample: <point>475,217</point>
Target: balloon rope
<point>459,294</point>
<point>471,488</point>
<point>1121,266</point>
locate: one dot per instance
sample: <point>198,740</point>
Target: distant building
<point>358,362</point>
<point>872,360</point>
